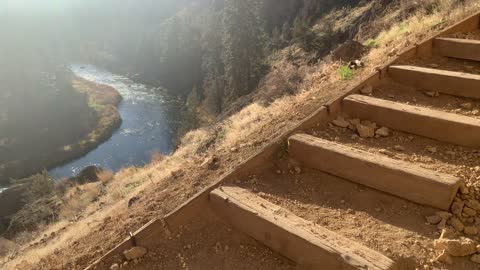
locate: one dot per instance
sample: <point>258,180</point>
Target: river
<point>150,117</point>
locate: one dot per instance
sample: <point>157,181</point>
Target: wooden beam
<point>310,245</point>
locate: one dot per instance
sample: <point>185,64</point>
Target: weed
<point>371,43</point>
<point>345,73</point>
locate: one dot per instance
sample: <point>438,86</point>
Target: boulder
<point>87,175</point>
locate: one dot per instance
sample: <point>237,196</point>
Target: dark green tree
<point>243,47</point>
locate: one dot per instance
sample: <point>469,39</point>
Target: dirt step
<point>396,177</point>
<point>443,81</point>
<point>447,127</point>
<point>458,48</point>
<point>310,245</point>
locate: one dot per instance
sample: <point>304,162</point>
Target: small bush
<point>40,186</point>
<point>79,198</point>
<point>105,177</point>
<point>371,43</point>
<point>345,73</point>
<point>157,157</point>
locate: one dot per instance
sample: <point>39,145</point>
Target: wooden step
<point>443,81</point>
<point>439,125</point>
<point>458,48</point>
<point>396,177</point>
<point>310,245</point>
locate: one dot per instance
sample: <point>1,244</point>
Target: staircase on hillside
<point>318,248</point>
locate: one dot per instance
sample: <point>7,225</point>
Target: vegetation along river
<point>150,120</point>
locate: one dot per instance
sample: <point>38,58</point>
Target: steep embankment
<point>136,195</point>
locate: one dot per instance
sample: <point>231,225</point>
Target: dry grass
<point>78,199</point>
<point>417,27</point>
<point>255,123</point>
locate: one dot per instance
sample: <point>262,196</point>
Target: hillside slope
<point>135,195</point>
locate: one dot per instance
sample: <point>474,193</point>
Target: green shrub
<point>371,43</point>
<point>345,73</point>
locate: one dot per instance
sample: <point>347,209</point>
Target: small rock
<point>464,189</point>
<point>450,153</point>
<point>457,208</point>
<point>470,230</point>
<point>467,106</point>
<point>432,149</point>
<point>458,248</point>
<point>383,132</point>
<point>135,253</point>
<point>474,204</point>
<point>443,214</point>
<point>447,233</point>
<point>114,266</point>
<point>444,257</point>
<point>469,212</point>
<point>340,122</point>
<point>475,258</point>
<point>442,225</point>
<point>478,248</point>
<point>365,131</point>
<point>433,219</point>
<point>457,224</point>
<point>432,94</point>
<point>367,90</point>
<point>399,148</point>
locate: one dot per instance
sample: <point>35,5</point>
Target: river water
<point>150,117</point>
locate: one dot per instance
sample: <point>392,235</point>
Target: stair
<point>447,127</point>
<point>308,244</point>
<point>443,81</point>
<point>458,48</point>
<point>382,173</point>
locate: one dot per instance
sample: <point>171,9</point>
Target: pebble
<point>432,149</point>
<point>341,122</point>
<point>457,208</point>
<point>367,90</point>
<point>365,131</point>
<point>432,94</point>
<point>114,266</point>
<point>475,258</point>
<point>383,132</point>
<point>469,212</point>
<point>399,148</point>
<point>135,253</point>
<point>467,106</point>
<point>464,189</point>
<point>433,219</point>
<point>474,204</point>
<point>471,230</point>
<point>447,233</point>
<point>458,247</point>
<point>444,257</point>
<point>457,224</point>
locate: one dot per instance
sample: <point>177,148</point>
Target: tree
<point>243,47</point>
